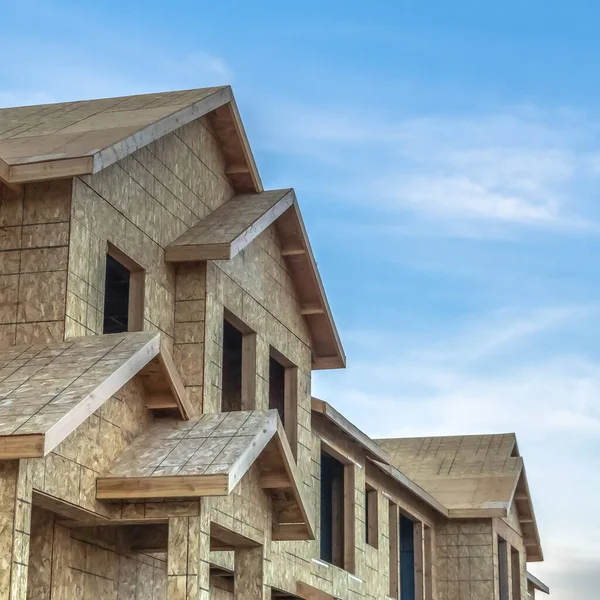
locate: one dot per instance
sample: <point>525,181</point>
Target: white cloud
<point>521,166</point>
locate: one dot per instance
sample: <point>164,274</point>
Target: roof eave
<point>241,170</point>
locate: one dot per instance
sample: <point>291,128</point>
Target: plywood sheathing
<point>86,563</point>
<point>471,475</point>
<point>15,528</point>
<point>140,205</point>
<point>77,138</point>
<point>230,228</point>
<point>34,237</point>
<point>209,456</point>
<point>329,423</point>
<point>465,473</point>
<point>227,231</point>
<point>47,391</point>
<point>327,349</point>
<point>188,569</point>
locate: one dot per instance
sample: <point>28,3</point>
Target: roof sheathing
<point>79,138</point>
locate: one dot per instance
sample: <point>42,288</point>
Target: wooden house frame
<point>121,476</point>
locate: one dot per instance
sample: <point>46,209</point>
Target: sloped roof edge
<point>229,229</point>
<point>169,462</point>
<point>527,519</point>
<point>38,427</point>
<point>537,584</point>
<point>374,453</point>
<point>241,170</point>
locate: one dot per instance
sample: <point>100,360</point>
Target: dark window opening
<point>371,516</point>
<point>407,559</point>
<point>277,387</point>
<point>232,368</point>
<point>332,510</point>
<point>116,297</point>
<point>503,568</point>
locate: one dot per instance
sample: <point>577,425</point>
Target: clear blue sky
<point>447,160</point>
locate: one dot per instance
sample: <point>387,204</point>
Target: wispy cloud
<point>521,166</point>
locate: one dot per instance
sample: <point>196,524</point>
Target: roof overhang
<point>229,229</point>
<point>86,151</point>
<point>527,521</point>
<point>536,584</point>
<point>325,417</point>
<point>58,386</point>
<point>208,456</point>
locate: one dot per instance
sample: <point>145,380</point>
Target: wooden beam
<point>51,169</point>
<point>237,169</point>
<point>311,309</point>
<point>160,402</point>
<point>520,496</point>
<point>308,592</point>
<point>177,486</point>
<point>275,480</point>
<point>179,392</point>
<point>289,532</point>
<point>146,538</point>
<point>231,539</point>
<point>249,371</point>
<point>322,363</point>
<point>5,178</point>
<point>21,446</point>
<point>524,520</point>
<point>293,251</point>
<point>245,146</point>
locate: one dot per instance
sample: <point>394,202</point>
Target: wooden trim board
<point>177,486</point>
<point>21,446</point>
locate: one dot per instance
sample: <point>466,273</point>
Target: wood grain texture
<point>230,228</point>
<point>51,389</point>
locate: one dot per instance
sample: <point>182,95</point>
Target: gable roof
<point>50,141</point>
<point>473,476</point>
<point>536,584</point>
<point>48,390</point>
<point>325,416</point>
<point>465,473</point>
<point>208,456</point>
<point>229,229</point>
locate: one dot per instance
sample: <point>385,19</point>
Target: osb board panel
<point>34,232</point>
<point>15,520</point>
<point>465,560</point>
<point>72,129</point>
<point>204,445</point>
<point>40,384</point>
<point>246,511</point>
<point>477,471</point>
<point>69,472</point>
<point>255,287</point>
<point>141,204</point>
<point>231,220</point>
<point>73,565</point>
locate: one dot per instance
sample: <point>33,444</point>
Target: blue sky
<point>447,160</point>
